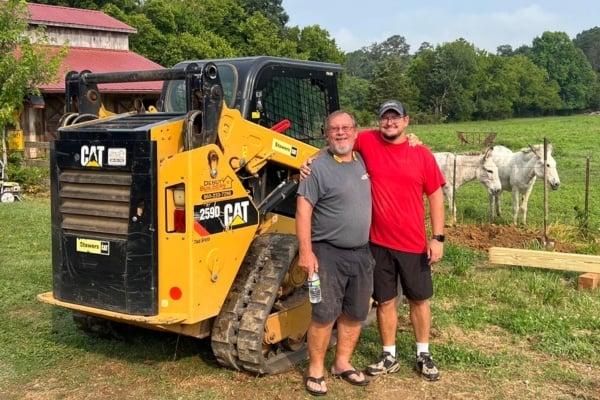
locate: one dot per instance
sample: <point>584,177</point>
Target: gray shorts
<point>346,282</point>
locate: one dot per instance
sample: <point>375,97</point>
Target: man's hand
<point>413,140</point>
<point>305,168</point>
<point>435,251</point>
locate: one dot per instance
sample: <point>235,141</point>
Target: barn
<point>98,43</point>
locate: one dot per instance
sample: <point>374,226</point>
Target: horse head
<point>550,165</point>
<point>487,173</point>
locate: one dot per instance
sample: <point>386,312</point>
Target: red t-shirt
<point>400,176</point>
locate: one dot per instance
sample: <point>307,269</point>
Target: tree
<point>537,93</point>
<point>446,81</point>
<point>568,66</point>
<point>26,62</point>
<point>504,50</point>
<point>315,42</point>
<point>353,97</point>
<point>393,46</point>
<point>362,63</point>
<point>359,64</point>
<point>272,9</point>
<point>589,42</point>
<point>390,81</point>
<point>497,88</point>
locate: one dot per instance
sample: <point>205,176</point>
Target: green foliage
<point>389,82</point>
<point>33,180</point>
<point>24,65</point>
<point>315,42</point>
<point>568,66</point>
<point>589,42</point>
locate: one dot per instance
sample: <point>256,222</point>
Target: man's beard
<point>342,150</point>
<point>390,137</point>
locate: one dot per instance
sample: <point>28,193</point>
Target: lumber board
<point>588,280</point>
<point>544,259</point>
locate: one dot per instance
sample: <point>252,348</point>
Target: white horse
<point>468,168</point>
<point>518,172</point>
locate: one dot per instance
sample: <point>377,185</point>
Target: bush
<point>33,180</point>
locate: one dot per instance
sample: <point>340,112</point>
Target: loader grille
<point>95,203</point>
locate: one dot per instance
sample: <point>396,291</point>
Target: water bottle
<point>314,288</point>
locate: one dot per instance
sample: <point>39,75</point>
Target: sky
<point>484,23</point>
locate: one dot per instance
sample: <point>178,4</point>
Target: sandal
<point>318,381</point>
<point>346,377</point>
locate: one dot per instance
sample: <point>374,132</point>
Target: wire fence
<point>575,202</point>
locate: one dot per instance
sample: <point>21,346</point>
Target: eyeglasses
<point>395,118</point>
<point>344,129</point>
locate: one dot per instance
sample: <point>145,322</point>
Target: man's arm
<point>307,259</point>
<point>436,214</point>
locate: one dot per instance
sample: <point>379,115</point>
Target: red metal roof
<point>99,60</point>
<point>41,14</point>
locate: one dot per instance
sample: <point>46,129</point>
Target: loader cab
<point>270,91</point>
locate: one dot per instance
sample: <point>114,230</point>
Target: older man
<point>333,216</point>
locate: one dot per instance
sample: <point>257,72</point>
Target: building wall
<point>88,38</point>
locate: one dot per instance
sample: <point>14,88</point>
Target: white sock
<point>422,348</point>
<point>391,350</point>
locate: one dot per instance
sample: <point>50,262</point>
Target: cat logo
<point>224,215</point>
<point>91,156</point>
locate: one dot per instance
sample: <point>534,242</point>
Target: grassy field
<point>498,332</point>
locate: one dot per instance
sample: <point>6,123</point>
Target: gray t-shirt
<point>340,193</point>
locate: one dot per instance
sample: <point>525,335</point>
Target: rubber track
<point>237,335</point>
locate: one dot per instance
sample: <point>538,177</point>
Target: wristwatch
<point>439,238</point>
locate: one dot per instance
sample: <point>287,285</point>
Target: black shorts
<point>412,269</point>
<point>346,282</point>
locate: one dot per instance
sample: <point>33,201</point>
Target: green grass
<point>498,332</point>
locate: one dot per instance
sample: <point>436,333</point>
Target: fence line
<point>36,154</point>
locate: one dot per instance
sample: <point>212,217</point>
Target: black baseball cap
<point>393,105</point>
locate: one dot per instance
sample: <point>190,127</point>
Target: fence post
<point>453,190</point>
<point>587,191</point>
<point>545,192</point>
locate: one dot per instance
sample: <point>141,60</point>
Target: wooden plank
<point>588,280</point>
<point>37,162</point>
<point>37,145</point>
<point>545,259</point>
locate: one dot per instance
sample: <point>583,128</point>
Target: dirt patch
<point>482,237</point>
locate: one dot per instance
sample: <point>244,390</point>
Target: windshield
<point>175,90</point>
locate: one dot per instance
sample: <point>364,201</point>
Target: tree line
<point>452,81</point>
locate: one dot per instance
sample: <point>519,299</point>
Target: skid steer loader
<point>180,217</point>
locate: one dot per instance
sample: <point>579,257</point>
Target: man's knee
<point>418,304</point>
<point>386,305</point>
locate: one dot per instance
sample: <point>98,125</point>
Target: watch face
<point>439,238</point>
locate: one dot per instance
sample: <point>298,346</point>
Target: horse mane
<point>538,148</point>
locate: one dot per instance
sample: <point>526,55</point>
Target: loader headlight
<point>179,210</point>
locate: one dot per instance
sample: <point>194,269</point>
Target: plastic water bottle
<point>314,288</point>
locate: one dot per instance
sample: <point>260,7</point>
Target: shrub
<point>33,180</point>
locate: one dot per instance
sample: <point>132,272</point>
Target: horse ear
<point>533,150</point>
<point>488,153</point>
